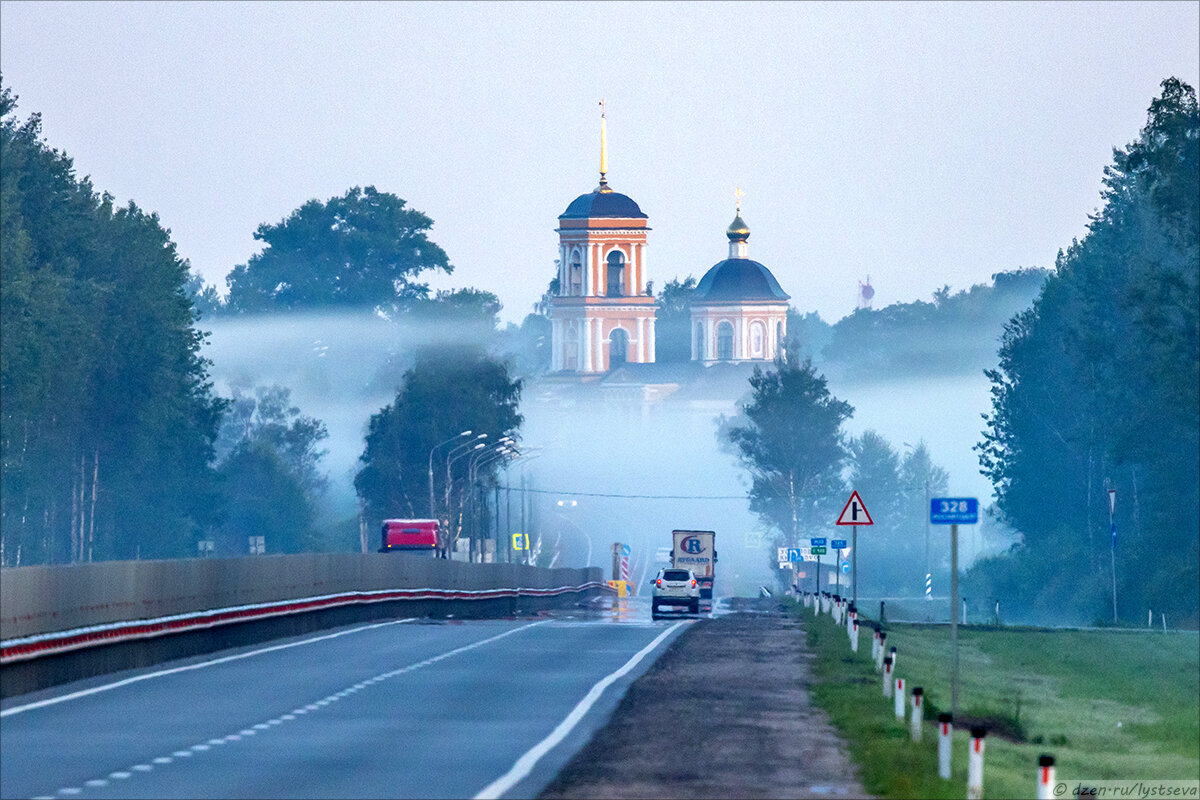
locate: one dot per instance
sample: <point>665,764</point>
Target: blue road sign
<point>845,566</point>
<point>625,550</point>
<point>794,555</point>
<point>953,511</point>
<point>818,541</point>
<point>838,544</point>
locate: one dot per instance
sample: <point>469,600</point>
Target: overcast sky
<point>922,144</point>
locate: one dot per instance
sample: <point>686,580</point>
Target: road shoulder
<point>724,712</point>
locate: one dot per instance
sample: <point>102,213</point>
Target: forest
<point>1092,441</point>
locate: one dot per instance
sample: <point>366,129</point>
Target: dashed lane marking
<point>49,701</point>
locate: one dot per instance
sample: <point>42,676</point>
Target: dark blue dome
<point>602,204</point>
<point>739,279</point>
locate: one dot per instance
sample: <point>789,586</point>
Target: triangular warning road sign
<point>855,513</point>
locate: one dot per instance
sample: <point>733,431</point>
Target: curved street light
<point>432,510</point>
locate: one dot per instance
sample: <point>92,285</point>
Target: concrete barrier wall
<point>38,600</point>
<point>43,601</point>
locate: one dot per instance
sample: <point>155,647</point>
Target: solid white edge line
<point>49,701</point>
<point>525,764</point>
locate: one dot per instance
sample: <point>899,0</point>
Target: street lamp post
<point>432,509</point>
<point>473,465</point>
<point>453,456</point>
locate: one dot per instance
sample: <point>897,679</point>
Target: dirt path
<point>724,713</point>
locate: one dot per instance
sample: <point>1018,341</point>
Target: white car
<point>676,588</point>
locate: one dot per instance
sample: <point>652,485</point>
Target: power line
<point>631,496</point>
<point>741,497</point>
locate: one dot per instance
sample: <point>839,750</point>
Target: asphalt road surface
<point>406,708</point>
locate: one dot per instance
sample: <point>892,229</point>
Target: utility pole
<point>954,620</point>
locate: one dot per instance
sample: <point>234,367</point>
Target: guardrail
<point>27,647</point>
<point>64,623</point>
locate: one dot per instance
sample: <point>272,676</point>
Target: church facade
<point>602,313</point>
<point>739,311</point>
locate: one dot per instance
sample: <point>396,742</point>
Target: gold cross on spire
<point>738,194</point>
<point>603,187</point>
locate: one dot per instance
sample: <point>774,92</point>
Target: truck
<point>696,550</point>
<point>410,536</point>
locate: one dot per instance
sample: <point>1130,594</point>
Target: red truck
<point>415,536</point>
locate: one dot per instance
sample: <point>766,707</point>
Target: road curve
<point>405,708</point>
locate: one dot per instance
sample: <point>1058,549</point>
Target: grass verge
<point>1106,705</point>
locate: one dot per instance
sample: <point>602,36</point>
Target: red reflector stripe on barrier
<point>27,647</point>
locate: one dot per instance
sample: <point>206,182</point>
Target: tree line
<point>116,445</point>
<point>1096,390</point>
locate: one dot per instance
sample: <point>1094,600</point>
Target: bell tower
<point>601,316</point>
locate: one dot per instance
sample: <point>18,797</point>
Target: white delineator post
<point>887,677</point>
<point>892,653</point>
<point>854,637</point>
<point>851,616</point>
<point>1045,787</point>
<point>945,732</point>
<point>918,715</point>
<point>900,700</point>
<point>882,649</point>
<point>975,765</point>
<point>875,646</point>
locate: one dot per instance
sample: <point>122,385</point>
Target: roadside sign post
<point>839,545</point>
<point>951,511</point>
<point>855,514</point>
<point>1112,527</point>
<point>817,546</point>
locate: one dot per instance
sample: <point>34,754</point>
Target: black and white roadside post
<point>952,511</point>
<point>975,764</point>
<point>918,712</point>
<point>1045,786</point>
<point>1112,529</point>
<point>945,735</point>
<point>854,514</point>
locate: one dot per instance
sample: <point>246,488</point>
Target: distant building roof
<point>602,204</point>
<point>738,279</point>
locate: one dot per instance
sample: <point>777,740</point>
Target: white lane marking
<point>119,775</point>
<point>262,726</point>
<point>97,782</point>
<point>49,701</point>
<point>70,791</point>
<point>163,760</point>
<point>524,765</point>
<point>182,753</point>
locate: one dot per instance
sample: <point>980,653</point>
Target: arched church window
<point>618,348</point>
<point>570,348</point>
<point>576,277</point>
<point>700,341</point>
<point>757,335</point>
<point>724,342</point>
<point>616,274</point>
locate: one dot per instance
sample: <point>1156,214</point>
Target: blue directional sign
<point>818,541</point>
<point>838,544</point>
<point>794,555</point>
<point>953,511</point>
<point>846,566</point>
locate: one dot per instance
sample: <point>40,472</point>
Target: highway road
<point>403,708</point>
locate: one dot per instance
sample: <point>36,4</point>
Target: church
<point>602,311</point>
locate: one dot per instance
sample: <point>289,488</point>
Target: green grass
<point>1057,692</point>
